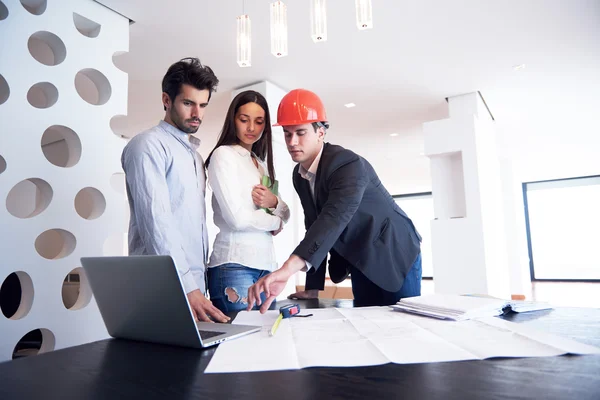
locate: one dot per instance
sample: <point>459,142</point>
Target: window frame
<point>410,195</point>
<point>528,230</point>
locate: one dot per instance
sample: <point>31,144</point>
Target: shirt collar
<point>195,142</point>
<point>188,140</point>
<point>242,151</point>
<point>312,170</point>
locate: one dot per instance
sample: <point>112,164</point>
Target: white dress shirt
<point>310,175</point>
<point>244,229</point>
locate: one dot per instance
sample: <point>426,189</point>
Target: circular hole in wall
<point>115,245</point>
<point>4,90</point>
<point>42,95</point>
<point>47,48</point>
<point>93,86</point>
<point>16,295</point>
<point>86,26</point>
<point>2,164</point>
<point>76,292</point>
<point>119,59</point>
<point>29,197</point>
<point>120,126</point>
<point>54,244</point>
<point>35,342</point>
<point>3,11</point>
<point>90,203</point>
<point>61,146</point>
<point>36,7</point>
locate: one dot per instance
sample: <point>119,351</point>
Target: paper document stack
<point>458,308</point>
<point>351,337</point>
<point>525,306</point>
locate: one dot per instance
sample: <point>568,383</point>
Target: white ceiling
<point>398,73</point>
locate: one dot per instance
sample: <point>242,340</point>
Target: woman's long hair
<point>263,148</point>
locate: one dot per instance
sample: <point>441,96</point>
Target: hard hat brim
<point>287,123</point>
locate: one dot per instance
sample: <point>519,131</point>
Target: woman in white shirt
<point>247,213</point>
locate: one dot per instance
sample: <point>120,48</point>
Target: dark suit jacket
<point>355,218</point>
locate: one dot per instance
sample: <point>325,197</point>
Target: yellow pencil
<point>276,325</point>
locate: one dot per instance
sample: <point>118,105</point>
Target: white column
<point>61,194</point>
<point>468,240</point>
<point>515,227</point>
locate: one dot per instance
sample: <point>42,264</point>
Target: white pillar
<point>468,240</point>
<point>515,228</point>
<point>60,162</point>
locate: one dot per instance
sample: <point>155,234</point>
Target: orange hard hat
<point>300,106</point>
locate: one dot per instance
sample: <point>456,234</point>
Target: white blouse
<point>244,229</point>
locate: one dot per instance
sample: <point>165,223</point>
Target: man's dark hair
<point>189,71</point>
<point>317,125</point>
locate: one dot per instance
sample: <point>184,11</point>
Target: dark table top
<point>123,369</point>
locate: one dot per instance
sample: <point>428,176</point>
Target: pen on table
<point>276,325</point>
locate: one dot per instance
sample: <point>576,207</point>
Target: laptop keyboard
<point>208,334</point>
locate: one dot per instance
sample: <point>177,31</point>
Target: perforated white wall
<point>61,185</point>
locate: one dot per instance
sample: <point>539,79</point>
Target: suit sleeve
<point>346,185</point>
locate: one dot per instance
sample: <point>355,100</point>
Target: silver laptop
<point>142,298</point>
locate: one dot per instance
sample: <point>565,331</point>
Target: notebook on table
<point>458,308</point>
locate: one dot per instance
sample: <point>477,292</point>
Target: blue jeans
<point>228,286</point>
<point>366,293</point>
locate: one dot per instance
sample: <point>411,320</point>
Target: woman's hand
<point>262,197</point>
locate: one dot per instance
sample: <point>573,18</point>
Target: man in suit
<point>348,213</point>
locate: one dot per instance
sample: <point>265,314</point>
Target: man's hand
<point>203,309</point>
<point>262,197</point>
<point>272,285</point>
<point>305,294</point>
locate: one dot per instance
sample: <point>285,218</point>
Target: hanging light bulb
<point>244,44</point>
<point>364,14</point>
<point>279,36</point>
<point>318,20</point>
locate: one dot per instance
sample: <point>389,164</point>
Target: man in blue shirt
<point>166,183</point>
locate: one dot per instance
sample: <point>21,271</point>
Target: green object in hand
<point>266,181</point>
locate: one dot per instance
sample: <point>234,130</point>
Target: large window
<point>563,228</point>
<point>419,208</point>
